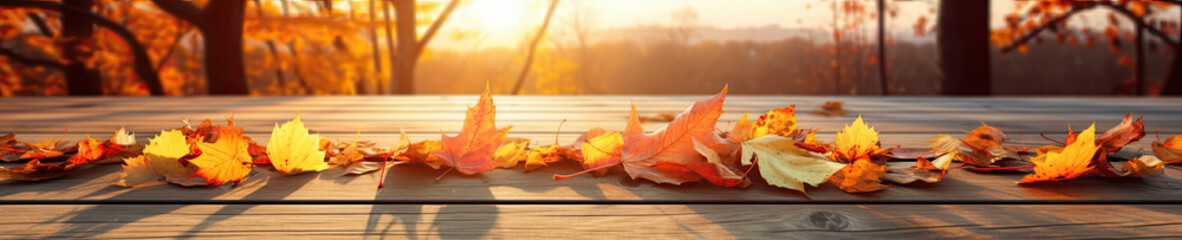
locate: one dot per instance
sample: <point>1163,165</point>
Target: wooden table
<point>510,203</point>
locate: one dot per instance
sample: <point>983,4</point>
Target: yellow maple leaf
<point>1073,161</point>
<point>601,151</point>
<point>512,152</point>
<point>782,164</point>
<point>293,150</point>
<point>223,161</point>
<point>161,157</point>
<point>136,172</point>
<point>540,157</point>
<point>857,141</point>
<point>780,121</point>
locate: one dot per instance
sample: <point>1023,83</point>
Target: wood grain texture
<point>907,122</point>
<point>590,221</point>
<point>780,213</point>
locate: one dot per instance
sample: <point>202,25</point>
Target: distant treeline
<point>789,66</point>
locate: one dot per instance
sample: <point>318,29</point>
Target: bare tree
<point>410,46</point>
<point>580,21</point>
<point>533,47</point>
<point>142,64</point>
<point>220,24</point>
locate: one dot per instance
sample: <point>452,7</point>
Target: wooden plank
<point>911,140</point>
<point>264,126</point>
<point>590,221</point>
<point>417,183</point>
<point>744,103</point>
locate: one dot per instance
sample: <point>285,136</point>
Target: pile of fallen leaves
<point>688,149</point>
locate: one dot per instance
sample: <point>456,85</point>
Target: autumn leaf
<point>34,170</point>
<point>422,152</point>
<point>164,153</point>
<point>860,176</point>
<point>122,137</point>
<point>741,132</point>
<point>1142,166</point>
<point>985,136</point>
<point>1122,134</point>
<point>1169,151</point>
<point>780,121</point>
<point>782,164</point>
<point>923,170</point>
<point>121,145</point>
<point>137,173</point>
<point>542,156</point>
<point>362,157</point>
<point>1073,161</point>
<point>511,153</point>
<point>831,109</point>
<point>857,141</point>
<point>469,152</point>
<point>602,150</point>
<point>223,161</point>
<point>293,150</point>
<point>655,156</point>
<point>89,150</point>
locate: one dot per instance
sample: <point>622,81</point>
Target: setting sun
<point>500,15</point>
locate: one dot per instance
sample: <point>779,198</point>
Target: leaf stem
<point>561,177</point>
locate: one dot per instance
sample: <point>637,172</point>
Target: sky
<point>505,23</point>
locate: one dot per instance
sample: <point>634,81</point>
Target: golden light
<point>497,15</point>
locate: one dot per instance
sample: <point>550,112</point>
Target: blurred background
<point>363,47</point>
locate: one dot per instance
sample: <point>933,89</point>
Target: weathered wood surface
<point>591,221</point>
<point>906,121</point>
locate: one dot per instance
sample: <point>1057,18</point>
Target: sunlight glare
<point>497,15</point>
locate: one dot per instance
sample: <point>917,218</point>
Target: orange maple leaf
<point>1122,134</point>
<point>652,156</point>
<point>470,151</point>
<point>1072,161</point>
<point>34,170</point>
<point>1170,150</point>
<point>226,160</point>
<point>860,176</point>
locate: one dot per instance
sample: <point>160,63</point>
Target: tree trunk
<point>1173,84</point>
<point>882,68</point>
<point>963,41</point>
<point>1139,65</point>
<point>222,31</point>
<point>403,81</point>
<point>80,80</point>
<point>389,42</point>
<point>373,38</point>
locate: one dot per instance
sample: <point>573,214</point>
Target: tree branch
<point>1137,20</point>
<point>1129,14</point>
<point>1034,32</point>
<point>40,23</point>
<point>182,9</point>
<point>533,47</point>
<point>438,23</point>
<point>28,61</point>
<point>172,48</point>
<point>142,63</point>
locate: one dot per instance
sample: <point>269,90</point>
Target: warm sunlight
<point>497,15</point>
